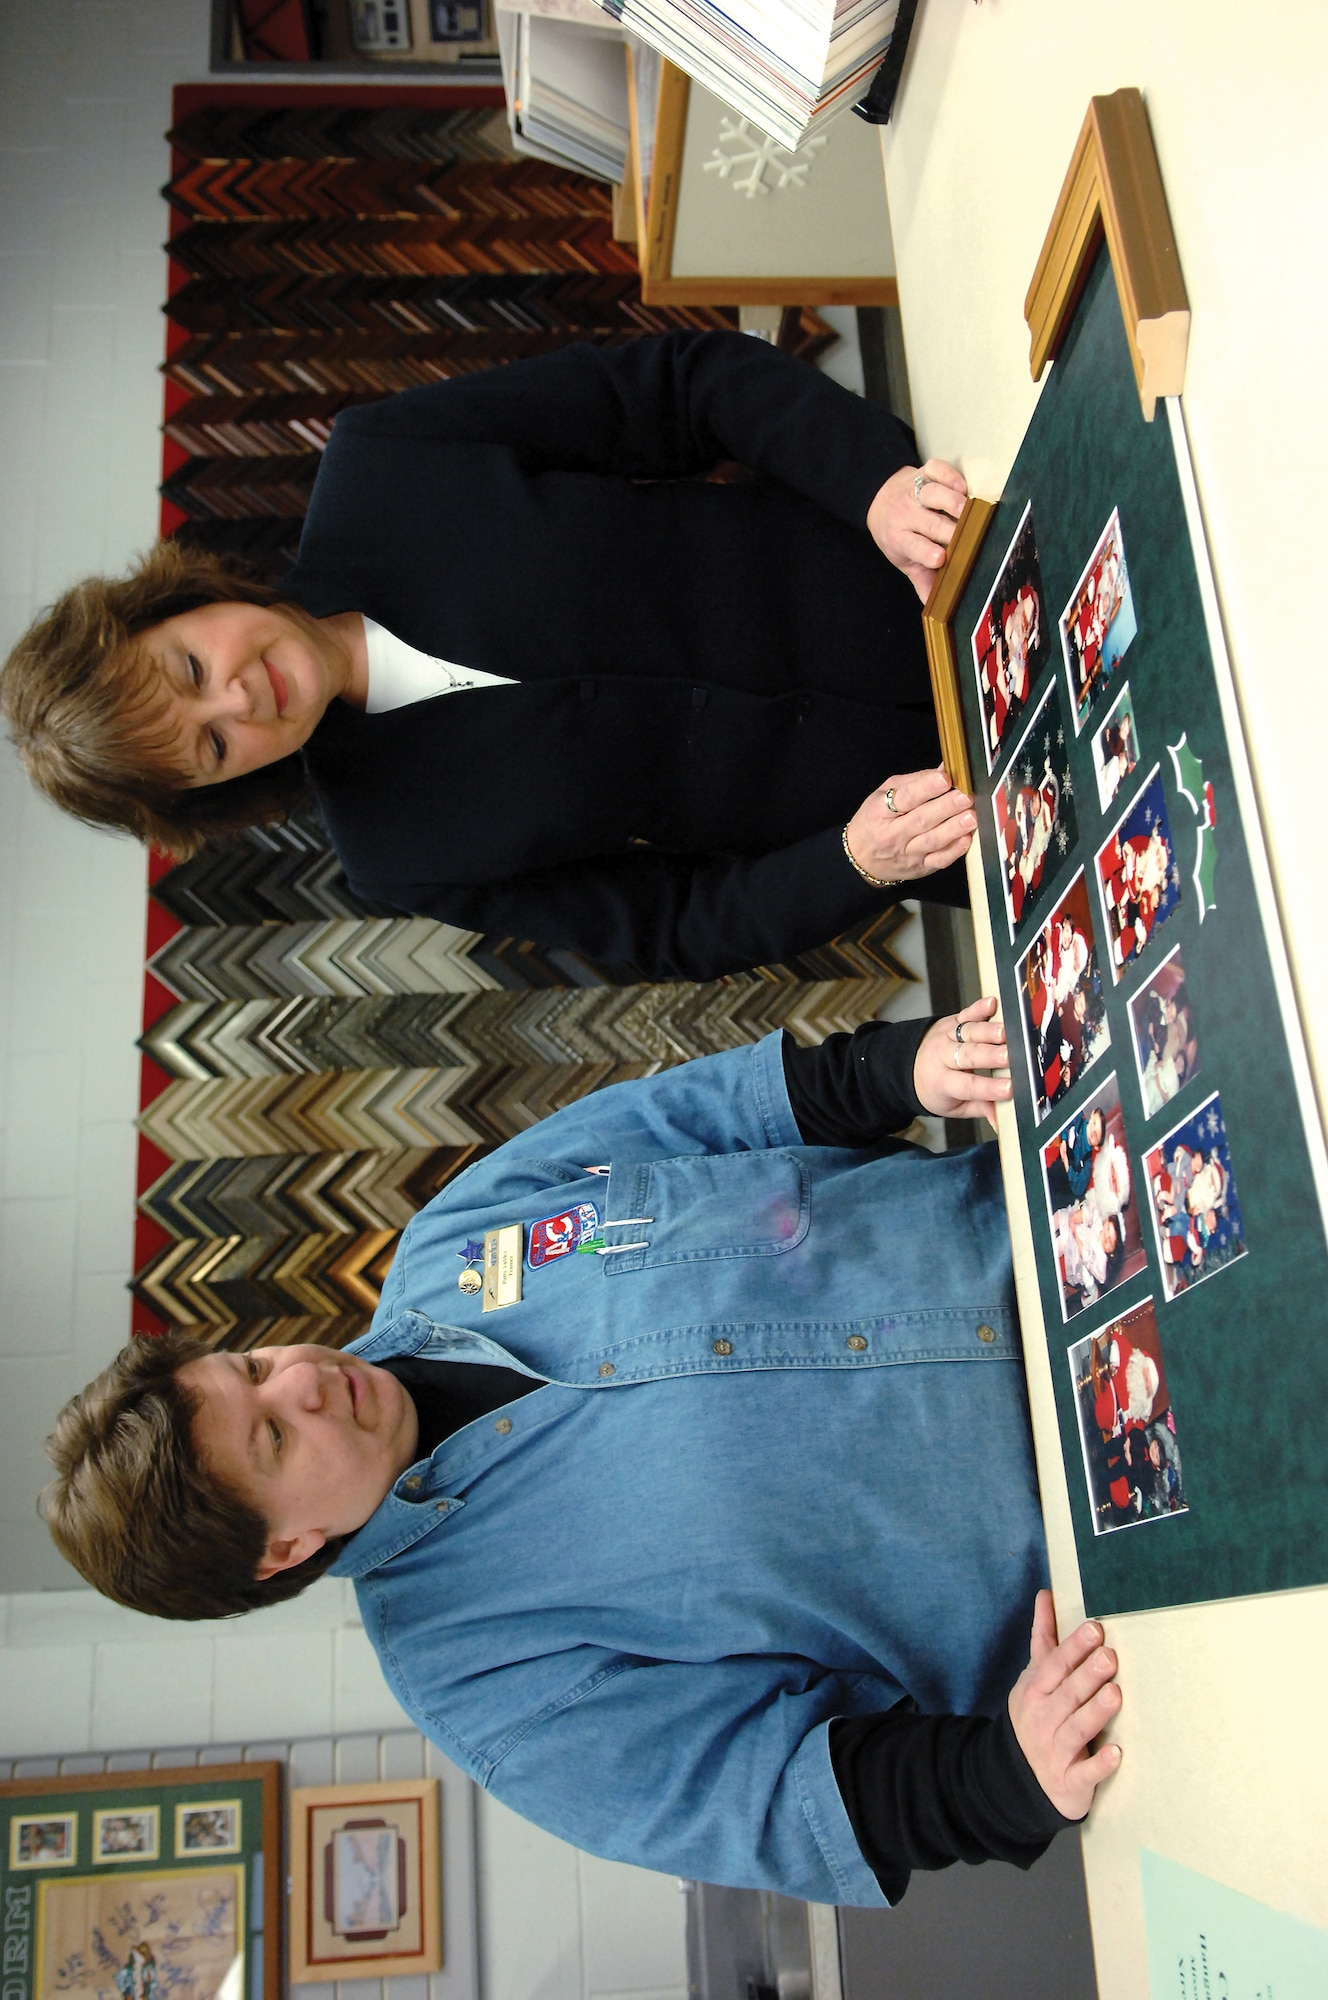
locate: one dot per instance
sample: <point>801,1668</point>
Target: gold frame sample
<point>1114,188</point>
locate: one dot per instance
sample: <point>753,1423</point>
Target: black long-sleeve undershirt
<point>921,1791</point>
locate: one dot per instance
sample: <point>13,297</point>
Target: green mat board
<point>141,1885</point>
<point>1191,1426</point>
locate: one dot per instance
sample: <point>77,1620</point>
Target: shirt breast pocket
<point>693,1210</point>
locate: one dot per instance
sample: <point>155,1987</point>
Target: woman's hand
<point>912,523</point>
<point>949,1074</point>
<point>910,827</point>
<point>1066,1696</point>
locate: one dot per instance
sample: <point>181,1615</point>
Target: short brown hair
<point>78,689</point>
<point>134,1507</point>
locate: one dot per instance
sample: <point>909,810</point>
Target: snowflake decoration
<point>1067,783</point>
<point>1060,737</point>
<point>1213,1122</point>
<point>740,145</point>
<point>1028,772</point>
<point>1062,839</point>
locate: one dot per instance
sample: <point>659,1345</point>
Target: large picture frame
<point>1169,1235</point>
<point>366,1887</point>
<point>143,1883</point>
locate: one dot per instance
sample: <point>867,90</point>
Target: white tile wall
<point>584,1929</point>
<point>84,104</point>
<point>81,1678</point>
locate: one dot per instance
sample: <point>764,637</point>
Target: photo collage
<point>127,1833</point>
<point>1132,1144</point>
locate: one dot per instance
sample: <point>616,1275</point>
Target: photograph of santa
<point>1195,1208</point>
<point>1127,1427</point>
<point>1034,810</point>
<point>1011,642</point>
<point>1092,1216</point>
<point>1137,875</point>
<point>1060,999</point>
<point>1098,623</point>
<point>1165,1034</point>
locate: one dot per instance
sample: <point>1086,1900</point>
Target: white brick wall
<point>82,1680</point>
<point>84,104</point>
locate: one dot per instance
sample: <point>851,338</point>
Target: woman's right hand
<point>930,826</point>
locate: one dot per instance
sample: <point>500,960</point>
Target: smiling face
<point>311,1439</point>
<point>243,685</point>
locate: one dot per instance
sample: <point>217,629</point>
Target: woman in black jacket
<point>671,693</point>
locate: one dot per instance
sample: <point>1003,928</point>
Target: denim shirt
<point>781,1471</point>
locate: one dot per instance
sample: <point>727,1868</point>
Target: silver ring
<point>919,481</point>
<point>959,1033</point>
<point>890,805</point>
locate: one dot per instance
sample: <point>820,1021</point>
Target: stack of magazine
<point>565,79</point>
<point>787,65</point>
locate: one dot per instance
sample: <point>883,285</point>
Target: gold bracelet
<point>877,881</point>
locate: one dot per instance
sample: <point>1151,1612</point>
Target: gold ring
<point>890,805</point>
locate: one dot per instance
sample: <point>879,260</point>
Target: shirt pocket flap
<point>694,1209</point>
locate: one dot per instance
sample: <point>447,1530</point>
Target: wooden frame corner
<point>937,631</point>
<point>657,219</point>
<point>1114,188</point>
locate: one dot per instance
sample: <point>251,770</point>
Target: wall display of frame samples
<point>1170,1159</point>
<point>366,1885</point>
<point>143,1884</point>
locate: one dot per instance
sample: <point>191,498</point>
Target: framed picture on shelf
<point>143,1884</point>
<point>725,216</point>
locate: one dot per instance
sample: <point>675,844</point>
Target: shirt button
<point>503,1426</point>
<point>414,1483</point>
<point>857,1341</point>
<point>607,1368</point>
<point>986,1333</point>
<point>723,1347</point>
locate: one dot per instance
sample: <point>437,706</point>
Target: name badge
<point>502,1267</point>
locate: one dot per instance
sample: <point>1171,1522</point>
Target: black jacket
<point>712,677</point>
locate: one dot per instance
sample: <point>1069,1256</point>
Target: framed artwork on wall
<point>141,1884</point>
<point>366,1895</point>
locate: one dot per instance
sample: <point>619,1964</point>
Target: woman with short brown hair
<point>670,694</point>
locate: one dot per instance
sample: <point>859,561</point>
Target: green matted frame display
<point>1164,1154</point>
<point>142,1884</point>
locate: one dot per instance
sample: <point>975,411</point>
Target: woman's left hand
<point>913,517</point>
<point>950,1071</point>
